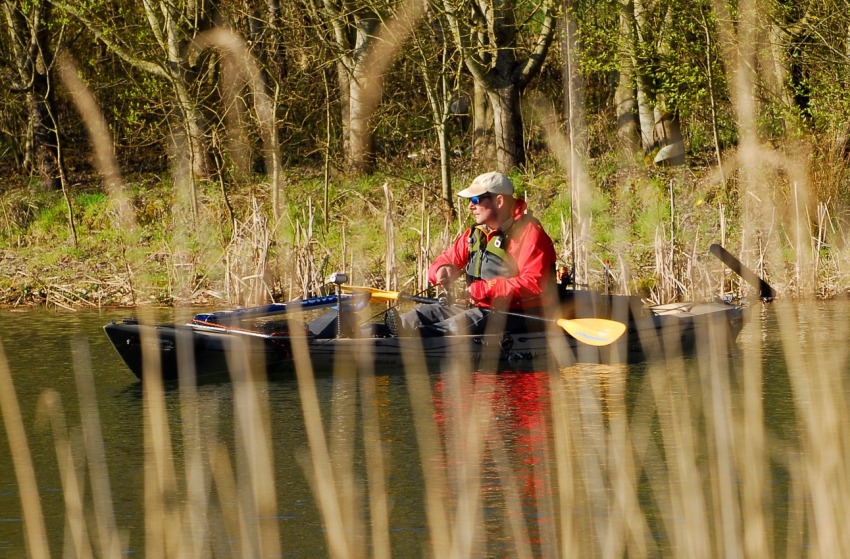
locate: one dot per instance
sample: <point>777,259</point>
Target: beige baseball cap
<point>493,182</point>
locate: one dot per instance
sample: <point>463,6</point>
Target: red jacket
<point>534,254</point>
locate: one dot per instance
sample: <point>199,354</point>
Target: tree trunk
<point>184,70</point>
<point>361,154</point>
<point>355,37</point>
<point>237,141</point>
<point>344,89</point>
<point>195,140</point>
<point>646,112</point>
<point>487,34</point>
<point>573,86</point>
<point>507,126</point>
<point>482,126</point>
<point>625,101</point>
<point>668,135</point>
<point>42,133</point>
<point>33,58</point>
<point>668,130</point>
<point>445,167</point>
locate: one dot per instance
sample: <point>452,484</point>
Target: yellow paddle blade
<point>593,331</point>
<point>379,295</point>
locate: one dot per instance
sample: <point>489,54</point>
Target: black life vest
<point>489,259</point>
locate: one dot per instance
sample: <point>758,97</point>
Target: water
<point>502,451</point>
<point>38,346</point>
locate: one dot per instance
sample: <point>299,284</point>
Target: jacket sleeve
<point>455,256</point>
<point>535,259</point>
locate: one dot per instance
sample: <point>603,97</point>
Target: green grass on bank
<point>652,227</point>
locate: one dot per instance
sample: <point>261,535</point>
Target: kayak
<point>330,331</point>
<point>334,331</point>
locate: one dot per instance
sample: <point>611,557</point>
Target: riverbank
<point>644,233</point>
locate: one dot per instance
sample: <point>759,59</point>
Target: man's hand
<point>445,275</point>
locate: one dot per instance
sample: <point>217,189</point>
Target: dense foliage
<point>305,89</point>
<point>138,61</point>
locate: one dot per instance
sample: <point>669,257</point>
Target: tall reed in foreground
<point>674,458</point>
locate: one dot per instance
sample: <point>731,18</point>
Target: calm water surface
<point>38,346</point>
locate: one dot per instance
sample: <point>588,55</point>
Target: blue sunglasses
<point>477,199</point>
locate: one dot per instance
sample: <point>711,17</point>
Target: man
<point>506,259</point>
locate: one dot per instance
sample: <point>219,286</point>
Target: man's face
<point>485,209</point>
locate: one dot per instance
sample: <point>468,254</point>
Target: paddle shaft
<point>443,301</point>
<point>766,292</point>
<point>591,331</point>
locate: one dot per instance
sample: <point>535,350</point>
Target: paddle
<point>591,331</point>
<point>766,292</point>
<point>382,295</point>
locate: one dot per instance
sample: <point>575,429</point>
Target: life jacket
<point>488,257</point>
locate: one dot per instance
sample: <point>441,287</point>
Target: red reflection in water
<point>510,412</point>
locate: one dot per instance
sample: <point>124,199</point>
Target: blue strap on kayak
<point>324,301</point>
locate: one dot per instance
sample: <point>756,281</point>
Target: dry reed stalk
<point>391,36</point>
<point>572,160</point>
<point>391,273</point>
<point>307,272</point>
<point>753,461</point>
<point>818,240</point>
<point>108,537</point>
<point>628,528</point>
<point>164,528</point>
<point>821,406</point>
<point>566,241</point>
<point>685,276</point>
<point>255,458</point>
<point>50,404</point>
<point>466,413</point>
<point>684,509</point>
<point>234,519</point>
<point>319,471</point>
<point>423,252</point>
<point>102,142</point>
<point>661,293</point>
<point>426,260</point>
<point>593,463</point>
<point>643,431</point>
<point>569,544</point>
<point>375,462</point>
<point>543,494</point>
<point>244,72</point>
<point>65,296</point>
<point>34,531</point>
<point>596,463</point>
<point>195,476</point>
<point>187,225</point>
<point>431,450</point>
<point>797,242</point>
<point>342,433</point>
<point>600,506</point>
<point>57,299</point>
<point>517,527</point>
<point>624,288</point>
<point>721,436</point>
<point>246,260</point>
